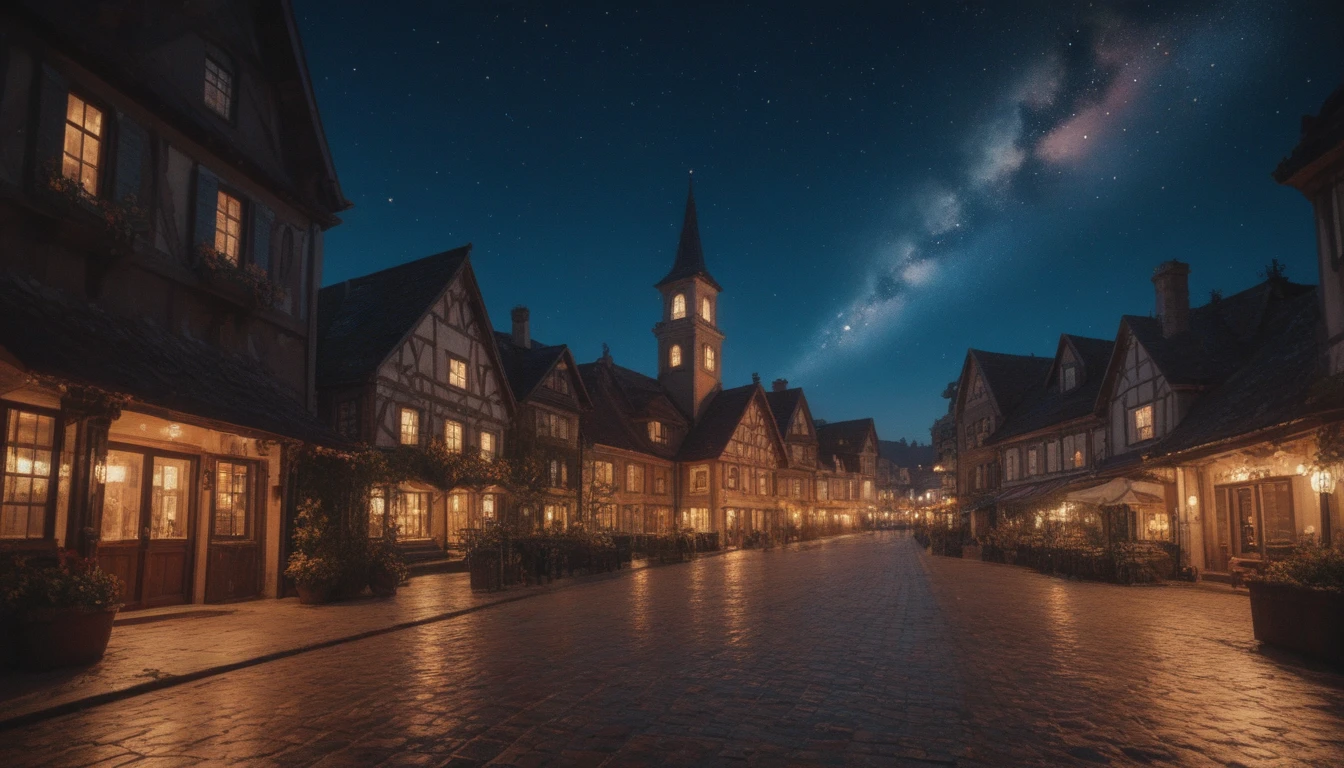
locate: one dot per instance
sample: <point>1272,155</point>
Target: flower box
<point>1299,619</point>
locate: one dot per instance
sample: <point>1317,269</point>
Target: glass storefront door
<point>146,525</point>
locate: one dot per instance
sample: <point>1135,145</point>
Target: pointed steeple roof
<point>690,255</point>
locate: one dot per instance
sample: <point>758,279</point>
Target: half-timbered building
<point>847,472</point>
<point>164,187</point>
<point>407,356</point>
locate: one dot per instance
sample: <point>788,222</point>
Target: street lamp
<point>1323,482</point>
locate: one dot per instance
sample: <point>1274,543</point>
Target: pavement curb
<point>150,686</point>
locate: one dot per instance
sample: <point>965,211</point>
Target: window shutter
<point>52,101</point>
<point>263,220</point>
<point>207,200</point>
<point>132,143</point>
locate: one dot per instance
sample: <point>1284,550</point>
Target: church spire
<point>690,254</point>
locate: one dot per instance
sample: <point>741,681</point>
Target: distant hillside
<point>904,454</point>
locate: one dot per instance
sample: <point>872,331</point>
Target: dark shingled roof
<point>1222,334</point>
<point>53,335</point>
<point>716,426</point>
<point>1271,387</point>
<point>783,404</point>
<point>845,440</point>
<point>690,255</point>
<point>1011,378</point>
<point>527,368</point>
<point>1320,134</point>
<point>361,321</point>
<point>619,395</point>
<point>1047,405</point>
<point>906,455</point>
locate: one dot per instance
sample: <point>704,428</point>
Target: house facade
<point>407,357</point>
<point>161,213</point>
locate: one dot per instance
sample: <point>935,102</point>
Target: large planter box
<point>1305,621</point>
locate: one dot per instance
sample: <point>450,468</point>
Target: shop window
<point>123,494</point>
<point>696,518</point>
<point>30,440</point>
<point>413,515</point>
<point>170,499</point>
<point>233,500</point>
<point>82,157</point>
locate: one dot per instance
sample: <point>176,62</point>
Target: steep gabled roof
<point>363,320</point>
<point>690,261</point>
<point>1272,387</point>
<point>1047,405</point>
<point>527,368</point>
<point>1009,378</point>
<point>709,437</point>
<point>620,397</point>
<point>845,440</point>
<point>50,333</point>
<point>783,405</point>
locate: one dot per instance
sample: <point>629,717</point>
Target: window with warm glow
<point>657,433</point>
<point>457,373</point>
<point>660,484</point>
<point>412,518</point>
<point>603,472</point>
<point>123,496</point>
<point>823,490</point>
<point>228,226</point>
<point>709,358</point>
<point>488,445</point>
<point>634,478</point>
<point>452,436</point>
<point>377,512</point>
<point>1141,424</point>
<point>218,88</point>
<point>700,479</point>
<point>734,477</point>
<point>82,156</point>
<point>763,484</point>
<point>678,306</point>
<point>674,356</point>
<point>30,440</point>
<point>488,506</point>
<point>409,423</point>
<point>233,503</point>
<point>706,309</point>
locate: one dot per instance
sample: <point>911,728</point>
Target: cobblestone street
<point>855,651</point>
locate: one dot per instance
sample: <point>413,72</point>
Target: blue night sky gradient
<point>933,176</point>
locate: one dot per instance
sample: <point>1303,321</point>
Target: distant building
<point>164,188</point>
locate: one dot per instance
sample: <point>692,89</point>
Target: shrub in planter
<point>1298,604</point>
<point>312,564</point>
<point>63,613</point>
<point>386,569</point>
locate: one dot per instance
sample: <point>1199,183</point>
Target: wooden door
<point>166,572</point>
<point>233,563</point>
<point>120,543</point>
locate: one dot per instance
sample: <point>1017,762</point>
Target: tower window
<point>674,356</point>
<point>678,306</point>
<point>706,309</point>
<point>709,358</point>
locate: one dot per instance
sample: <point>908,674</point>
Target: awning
<point>1120,491</point>
<point>1024,493</point>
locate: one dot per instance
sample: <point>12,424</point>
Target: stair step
<point>439,565</point>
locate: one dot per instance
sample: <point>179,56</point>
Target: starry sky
<point>880,185</point>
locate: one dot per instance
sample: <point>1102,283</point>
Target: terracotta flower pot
<point>65,637</point>
<point>314,594</point>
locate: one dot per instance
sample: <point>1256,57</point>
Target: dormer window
<point>678,306</point>
<point>1068,378</point>
<point>674,356</point>
<point>218,88</point>
<point>709,358</point>
<point>1141,424</point>
<point>706,310</point>
<point>657,433</point>
<point>558,380</point>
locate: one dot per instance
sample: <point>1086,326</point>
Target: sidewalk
<point>159,648</point>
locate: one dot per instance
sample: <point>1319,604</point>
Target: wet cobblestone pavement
<point>857,651</point>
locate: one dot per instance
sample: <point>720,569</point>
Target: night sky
<point>877,189</point>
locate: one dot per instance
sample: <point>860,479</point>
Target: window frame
<point>707,309</point>
<point>224,192</point>
<point>634,478</point>
<point>698,481</point>
<point>53,479</point>
<point>466,373</point>
<point>492,452</point>
<point>230,92</point>
<point>402,410</point>
<point>100,163</point>
<point>352,404</point>
<point>1133,432</point>
<point>675,358</point>
<point>249,515</point>
<point>678,309</point>
<point>708,358</point>
<point>454,446</point>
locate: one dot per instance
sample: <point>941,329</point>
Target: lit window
<point>83,143</point>
<point>488,506</point>
<point>29,444</point>
<point>706,309</point>
<point>660,484</point>
<point>733,475</point>
<point>457,373</point>
<point>709,358</point>
<point>377,512</point>
<point>410,426</point>
<point>678,306</point>
<point>799,425</point>
<point>762,484</point>
<point>674,356</point>
<point>218,87</point>
<point>634,478</point>
<point>700,479</point>
<point>657,434</point>
<point>228,225</point>
<point>1141,424</point>
<point>232,500</point>
<point>488,445</point>
<point>452,436</point>
<point>412,515</point>
<point>604,472</point>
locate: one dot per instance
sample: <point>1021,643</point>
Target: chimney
<point>522,328</point>
<point>1171,279</point>
<point>779,385</point>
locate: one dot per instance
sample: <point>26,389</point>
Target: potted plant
<point>311,565</point>
<point>1298,603</point>
<point>386,569</point>
<point>63,613</point>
